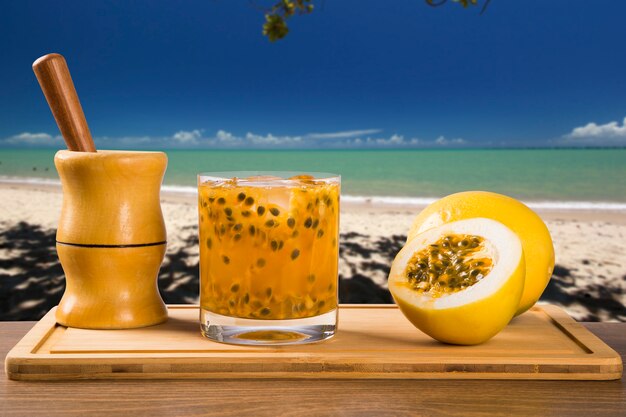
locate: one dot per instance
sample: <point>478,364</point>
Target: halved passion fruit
<point>461,282</point>
<point>533,233</point>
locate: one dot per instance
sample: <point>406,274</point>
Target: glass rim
<point>283,176</point>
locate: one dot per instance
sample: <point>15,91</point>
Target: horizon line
<point>456,148</point>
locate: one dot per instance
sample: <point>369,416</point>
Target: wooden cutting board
<point>373,341</point>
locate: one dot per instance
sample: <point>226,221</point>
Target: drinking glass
<point>268,256</point>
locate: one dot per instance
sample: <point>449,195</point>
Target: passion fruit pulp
<point>448,265</point>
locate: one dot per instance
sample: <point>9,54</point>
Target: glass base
<point>238,331</point>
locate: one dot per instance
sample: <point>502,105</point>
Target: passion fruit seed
<point>448,265</point>
<point>241,196</point>
<point>249,201</point>
<point>221,200</point>
<point>274,211</point>
<point>260,210</point>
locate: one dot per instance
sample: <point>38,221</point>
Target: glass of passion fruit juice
<point>269,249</point>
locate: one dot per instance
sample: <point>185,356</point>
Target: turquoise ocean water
<point>538,175</point>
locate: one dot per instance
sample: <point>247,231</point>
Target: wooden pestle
<point>56,82</point>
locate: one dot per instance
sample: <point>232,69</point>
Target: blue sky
<point>352,74</point>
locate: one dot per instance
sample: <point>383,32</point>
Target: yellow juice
<point>269,247</point>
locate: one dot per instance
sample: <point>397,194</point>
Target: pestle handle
<point>56,82</point>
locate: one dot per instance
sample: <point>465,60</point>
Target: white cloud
<point>187,137</point>
<point>441,140</point>
<point>129,142</point>
<point>394,140</point>
<point>125,141</point>
<point>607,134</point>
<point>271,140</point>
<point>224,139</point>
<point>399,141</point>
<point>343,134</point>
<point>27,138</point>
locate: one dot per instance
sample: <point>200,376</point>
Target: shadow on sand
<point>32,280</point>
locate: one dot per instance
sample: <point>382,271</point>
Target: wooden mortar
<point>111,238</point>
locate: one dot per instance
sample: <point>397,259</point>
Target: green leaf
<point>275,27</point>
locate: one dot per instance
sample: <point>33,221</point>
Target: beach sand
<point>589,280</point>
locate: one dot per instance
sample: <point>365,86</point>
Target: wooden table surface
<point>314,397</point>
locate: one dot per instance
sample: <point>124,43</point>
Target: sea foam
<point>369,200</point>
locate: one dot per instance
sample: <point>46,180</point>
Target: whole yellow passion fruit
<point>525,223</point>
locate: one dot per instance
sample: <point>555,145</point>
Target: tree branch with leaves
<point>275,26</point>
